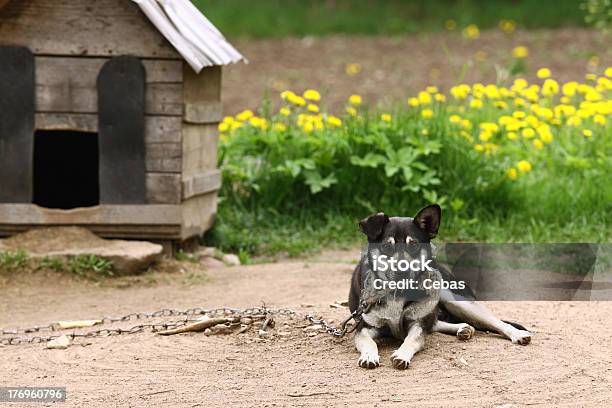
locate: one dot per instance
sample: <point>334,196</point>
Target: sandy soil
<point>395,67</point>
<point>568,363</point>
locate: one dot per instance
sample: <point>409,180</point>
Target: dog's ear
<point>428,220</point>
<point>373,225</point>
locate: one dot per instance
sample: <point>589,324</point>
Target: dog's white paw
<point>522,337</point>
<point>401,359</point>
<point>368,360</point>
<point>466,332</point>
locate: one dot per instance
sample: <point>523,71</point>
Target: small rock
<point>306,305</point>
<point>60,343</point>
<point>462,361</point>
<point>312,334</point>
<point>207,332</point>
<point>203,252</point>
<point>284,333</point>
<point>262,333</point>
<point>313,328</point>
<point>211,263</point>
<point>231,260</point>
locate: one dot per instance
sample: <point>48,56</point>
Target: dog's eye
<point>409,240</point>
<point>390,240</point>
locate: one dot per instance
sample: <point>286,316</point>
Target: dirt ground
<point>393,68</point>
<point>568,363</point>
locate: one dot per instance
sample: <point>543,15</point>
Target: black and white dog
<point>389,313</point>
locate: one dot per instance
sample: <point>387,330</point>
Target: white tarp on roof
<point>190,33</point>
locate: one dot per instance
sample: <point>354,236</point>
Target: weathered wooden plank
<point>20,214</point>
<point>203,95</point>
<point>201,184</point>
<point>68,84</point>
<point>198,215</point>
<point>77,94</point>
<point>82,27</point>
<point>112,221</point>
<point>56,69</point>
<point>199,148</point>
<point>163,188</point>
<point>163,157</point>
<point>158,129</point>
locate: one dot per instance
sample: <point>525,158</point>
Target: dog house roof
<point>198,41</point>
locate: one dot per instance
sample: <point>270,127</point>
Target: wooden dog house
<point>108,116</point>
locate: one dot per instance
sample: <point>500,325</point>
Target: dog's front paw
<point>367,360</point>
<point>521,337</point>
<point>401,359</point>
<point>466,332</point>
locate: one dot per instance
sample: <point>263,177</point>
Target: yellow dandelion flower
<point>599,119</point>
<point>543,73</point>
<point>355,100</point>
<point>537,143</point>
<point>223,127</point>
<point>351,111</point>
<point>460,91</point>
<point>520,52</point>
<point>485,136</point>
<point>466,123</point>
<point>414,102</point>
<point>424,98</point>
<point>244,115</point>
<point>385,117</point>
<point>313,108</point>
<point>476,103</point>
<point>427,113</point>
<point>455,119</point>
<point>308,127</point>
<point>312,95</point>
<point>471,32</point>
<point>440,97</point>
<point>574,121</point>
<point>512,173</point>
<point>550,87</point>
<point>334,121</point>
<point>285,111</point>
<point>512,135</point>
<point>432,89</point>
<point>524,166</point>
<point>587,133</point>
<point>479,148</point>
<point>507,26</point>
<point>608,72</point>
<point>352,69</point>
<point>590,77</point>
<point>287,95</point>
<point>528,133</point>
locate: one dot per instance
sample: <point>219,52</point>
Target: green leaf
<point>317,183</point>
<point>369,160</point>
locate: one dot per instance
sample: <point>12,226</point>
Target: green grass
<point>280,18</point>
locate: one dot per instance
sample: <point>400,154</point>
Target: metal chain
<point>154,327</point>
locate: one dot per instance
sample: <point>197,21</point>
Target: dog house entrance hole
<point>66,169</point>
